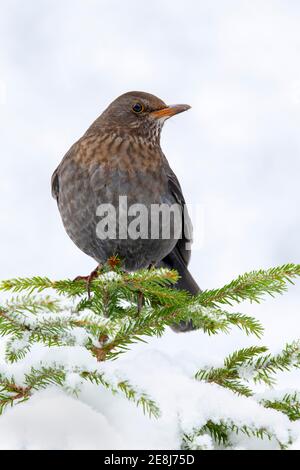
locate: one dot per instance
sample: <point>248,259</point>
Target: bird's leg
<point>94,274</point>
<point>88,279</point>
<point>140,302</point>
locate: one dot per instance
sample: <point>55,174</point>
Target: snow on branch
<point>107,324</point>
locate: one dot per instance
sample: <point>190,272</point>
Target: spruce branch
<point>37,379</point>
<point>213,320</point>
<point>147,280</point>
<point>152,322</point>
<point>31,304</point>
<point>229,375</point>
<point>266,367</point>
<point>11,393</point>
<point>16,349</point>
<point>250,325</point>
<point>51,332</point>
<point>40,378</point>
<point>251,365</point>
<point>139,398</point>
<point>252,286</point>
<point>125,308</point>
<point>289,404</point>
<point>222,433</point>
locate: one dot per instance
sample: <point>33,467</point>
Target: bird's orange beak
<point>170,111</point>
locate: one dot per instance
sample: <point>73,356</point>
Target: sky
<point>236,152</point>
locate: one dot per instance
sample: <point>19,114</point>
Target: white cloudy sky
<point>236,152</point>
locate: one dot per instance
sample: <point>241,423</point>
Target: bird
<point>120,156</point>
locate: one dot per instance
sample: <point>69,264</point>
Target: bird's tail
<point>185,282</point>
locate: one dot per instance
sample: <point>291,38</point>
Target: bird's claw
<point>88,279</point>
<point>140,302</point>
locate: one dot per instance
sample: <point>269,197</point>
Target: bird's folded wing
<point>55,185</point>
<point>55,176</point>
<point>182,247</point>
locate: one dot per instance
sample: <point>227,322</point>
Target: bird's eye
<point>137,108</point>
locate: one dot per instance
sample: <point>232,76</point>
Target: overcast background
<point>236,152</point>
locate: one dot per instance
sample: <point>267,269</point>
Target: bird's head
<point>140,114</point>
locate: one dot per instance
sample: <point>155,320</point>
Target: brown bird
<point>120,155</point>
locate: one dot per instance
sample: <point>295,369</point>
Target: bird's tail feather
<point>185,282</point>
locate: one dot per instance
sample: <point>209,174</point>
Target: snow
<point>204,442</point>
<point>87,416</point>
<point>52,420</point>
<point>109,276</point>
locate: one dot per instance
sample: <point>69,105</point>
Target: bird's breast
<point>127,167</point>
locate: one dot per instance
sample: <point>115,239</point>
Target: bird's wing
<point>55,184</point>
<point>55,176</point>
<point>182,248</point>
